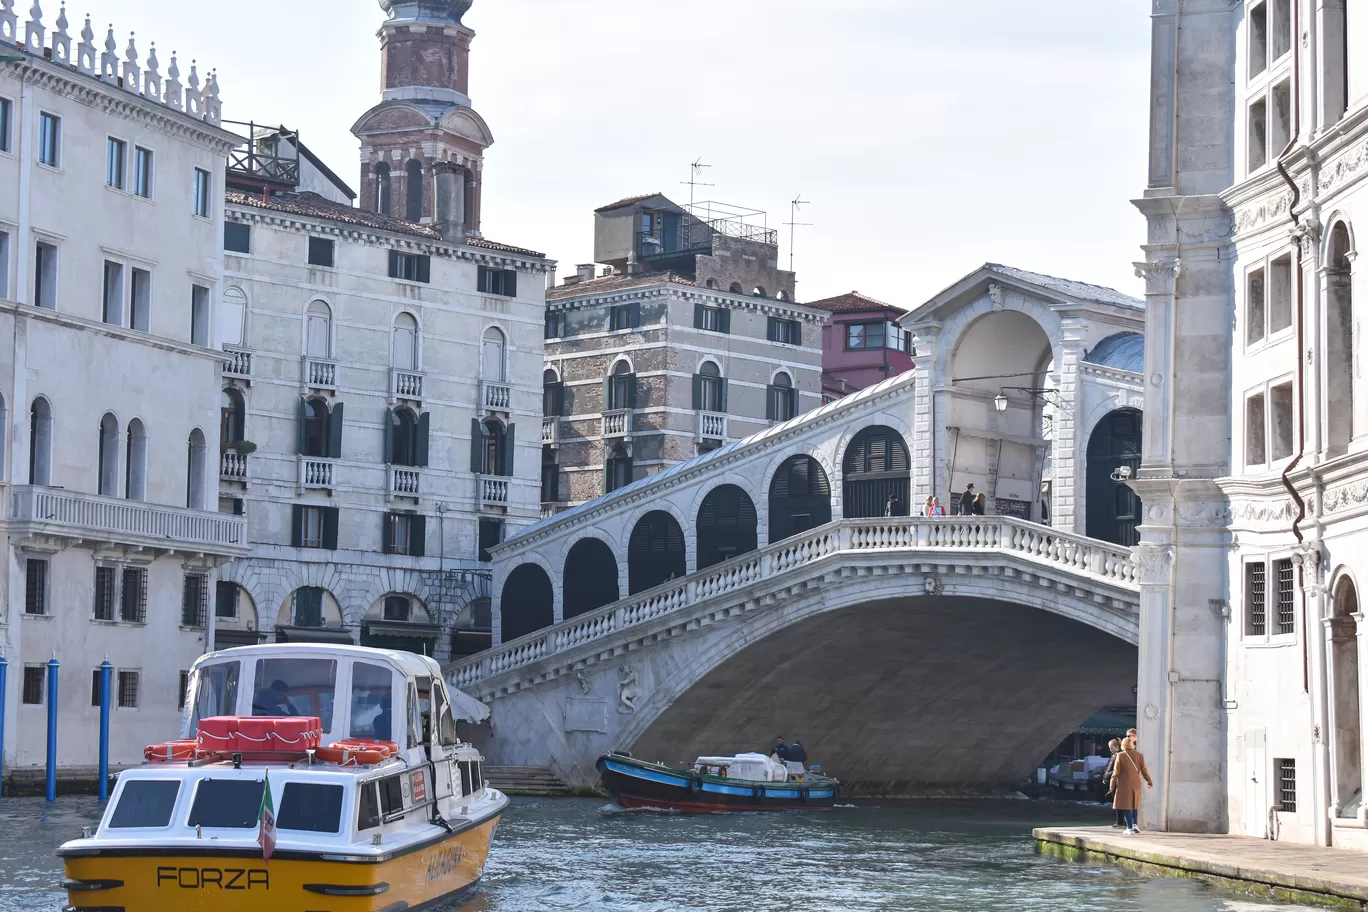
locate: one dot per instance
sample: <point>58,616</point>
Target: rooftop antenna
<point>695,172</point>
<point>793,223</point>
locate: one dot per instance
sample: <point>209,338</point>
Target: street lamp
<point>1000,403</point>
<point>1044,395</point>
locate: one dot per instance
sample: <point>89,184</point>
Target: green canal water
<point>578,854</point>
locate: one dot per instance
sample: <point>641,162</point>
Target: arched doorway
<point>1113,508</point>
<point>726,525</point>
<point>877,466</point>
<point>799,498</point>
<point>591,577</point>
<point>655,552</point>
<point>1347,727</point>
<point>527,603</point>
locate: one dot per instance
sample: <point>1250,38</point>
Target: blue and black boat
<point>717,785</point>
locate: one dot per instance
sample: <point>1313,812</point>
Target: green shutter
<point>335,431</point>
<point>389,437</point>
<point>511,284</point>
<point>420,445</point>
<point>394,264</point>
<point>631,391</point>
<point>698,315</point>
<point>772,329</point>
<point>418,535</point>
<point>724,320</point>
<point>634,315</point>
<point>558,400</point>
<point>607,393</point>
<point>793,401</point>
<point>303,423</point>
<point>697,392</point>
<point>330,515</point>
<point>424,268</point>
<point>508,452</point>
<point>770,411</point>
<point>297,526</point>
<point>476,447</point>
<point>387,533</point>
<point>482,280</point>
<point>722,399</point>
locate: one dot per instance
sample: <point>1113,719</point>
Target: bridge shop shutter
<point>799,498</point>
<point>877,466</point>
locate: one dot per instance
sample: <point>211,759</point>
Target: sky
<point>928,137</point>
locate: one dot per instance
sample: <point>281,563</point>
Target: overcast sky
<point>929,137</point>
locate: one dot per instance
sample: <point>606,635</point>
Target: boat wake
<point>613,810</point>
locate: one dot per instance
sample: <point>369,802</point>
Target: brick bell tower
<point>422,146</point>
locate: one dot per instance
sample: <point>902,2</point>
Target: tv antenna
<point>695,172</point>
<point>793,223</point>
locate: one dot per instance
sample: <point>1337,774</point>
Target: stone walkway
<point>1279,870</point>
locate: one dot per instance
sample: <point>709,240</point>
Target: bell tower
<point>422,146</point>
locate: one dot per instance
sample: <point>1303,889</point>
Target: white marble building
<point>111,214</point>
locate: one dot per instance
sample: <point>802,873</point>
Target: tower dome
<point>451,10</point>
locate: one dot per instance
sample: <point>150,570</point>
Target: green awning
<point>1111,722</point>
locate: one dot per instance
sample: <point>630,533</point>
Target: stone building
<point>862,344</point>
<point>110,220</point>
<point>688,339</point>
<point>380,397</point>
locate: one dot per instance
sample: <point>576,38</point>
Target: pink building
<point>861,344</point>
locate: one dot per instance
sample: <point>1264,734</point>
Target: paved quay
<point>1277,870</point>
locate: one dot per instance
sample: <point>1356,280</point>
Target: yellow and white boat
<point>355,829</point>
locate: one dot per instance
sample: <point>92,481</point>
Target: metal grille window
<point>396,608</point>
<point>33,684</point>
<point>1287,616</point>
<point>308,607</point>
<point>128,689</point>
<point>105,581</point>
<point>35,586</point>
<point>133,606</point>
<point>194,600</point>
<point>1287,785</point>
<point>1256,599</point>
<point>226,600</point>
<point>183,689</point>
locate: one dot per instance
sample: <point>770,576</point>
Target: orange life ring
<point>386,749</point>
<point>170,751</point>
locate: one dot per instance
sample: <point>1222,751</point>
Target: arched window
<point>196,457</point>
<point>783,398</point>
<point>726,525</point>
<point>232,317</point>
<point>1113,510</point>
<point>877,473</point>
<point>781,295</point>
<point>735,288</point>
<point>232,417</point>
<point>1339,342</point>
<point>710,390</point>
<point>553,395</point>
<point>135,464</point>
<point>618,472</point>
<point>382,188</point>
<point>314,440</point>
<point>493,448</point>
<point>492,356</point>
<point>527,604</point>
<point>591,577</point>
<point>405,342</point>
<point>710,283</point>
<point>40,442</point>
<point>655,552</point>
<point>318,330</point>
<point>621,392</point>
<point>403,437</point>
<point>109,456</point>
<point>759,291</point>
<point>413,178</point>
<point>799,498</point>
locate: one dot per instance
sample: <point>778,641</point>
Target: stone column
<point>1361,644</point>
<point>929,450</point>
<point>1319,687</point>
<point>449,201</point>
<point>1068,450</point>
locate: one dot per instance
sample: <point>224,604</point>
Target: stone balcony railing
<point>493,491</point>
<point>315,474</point>
<point>404,482</point>
<point>406,384</point>
<point>233,466</point>
<point>617,423</point>
<point>320,374</point>
<point>712,426</point>
<point>91,520</point>
<point>551,431</point>
<point>496,397</point>
<point>237,365</point>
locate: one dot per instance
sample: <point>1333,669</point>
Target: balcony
<point>493,491</point>
<point>496,397</point>
<point>315,474</point>
<point>617,423</point>
<point>406,384</point>
<point>551,432</point>
<point>711,426</point>
<point>320,374</point>
<point>94,521</point>
<point>403,482</point>
<point>237,365</point>
<point>233,466</point>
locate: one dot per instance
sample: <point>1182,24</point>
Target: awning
<point>338,635</point>
<point>466,708</point>
<point>1108,722</point>
<point>403,629</point>
<point>224,638</point>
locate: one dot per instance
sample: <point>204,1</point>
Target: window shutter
<point>607,392</point>
<point>772,329</point>
<point>631,391</point>
<point>627,473</point>
<point>511,284</point>
<point>558,400</point>
<point>697,392</point>
<point>634,315</point>
<point>698,315</point>
<point>793,401</point>
<point>724,320</point>
<point>335,431</point>
<point>508,452</point>
<point>771,413</point>
<point>330,528</point>
<point>394,264</point>
<point>482,279</point>
<point>389,436</point>
<point>420,448</point>
<point>425,268</point>
<point>476,447</point>
<point>297,527</point>
<point>417,535</point>
<point>303,422</point>
<point>722,399</point>
<point>387,533</point>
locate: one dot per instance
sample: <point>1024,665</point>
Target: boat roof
<point>408,663</point>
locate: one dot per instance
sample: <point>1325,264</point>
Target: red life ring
<point>170,751</point>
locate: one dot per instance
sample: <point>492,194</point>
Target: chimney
<point>633,267</point>
<point>585,271</point>
<point>450,202</point>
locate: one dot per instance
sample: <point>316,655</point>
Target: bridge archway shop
<point>877,466</point>
<point>799,498</point>
<point>655,552</point>
<point>591,577</point>
<point>726,525</point>
<point>528,602</point>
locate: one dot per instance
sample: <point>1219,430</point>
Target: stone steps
<point>526,780</point>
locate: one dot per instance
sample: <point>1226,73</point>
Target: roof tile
<point>853,301</point>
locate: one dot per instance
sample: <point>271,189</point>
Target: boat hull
<point>148,879</point>
<point>634,784</point>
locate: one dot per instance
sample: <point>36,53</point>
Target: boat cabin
<point>750,767</point>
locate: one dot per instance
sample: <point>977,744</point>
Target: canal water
<point>577,854</point>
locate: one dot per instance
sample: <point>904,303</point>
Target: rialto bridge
<point>760,589</point>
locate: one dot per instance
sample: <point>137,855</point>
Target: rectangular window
<point>321,251</point>
<point>183,689</point>
<point>112,296</point>
<point>1280,413</point>
<point>49,139</point>
<point>710,397</point>
<point>140,300</point>
<point>1258,39</point>
<point>308,607</point>
<point>105,587</point>
<point>199,315</point>
<point>1279,28</point>
<point>411,267</point>
<point>195,600</point>
<point>712,319</point>
<point>1287,785</point>
<point>6,109</point>
<point>864,336</point>
<point>145,804</point>
<point>624,316</point>
<point>203,192</point>
<point>397,608</point>
<point>5,266</point>
<point>789,332</point>
<point>237,237</point>
<point>1256,430</point>
<point>133,604</point>
<point>35,586</point>
<point>230,803</point>
<point>312,527</point>
<point>116,163</point>
<point>1287,588</point>
<point>498,282</point>
<point>1279,294</point>
<point>1280,121</point>
<point>142,172</point>
<point>310,808</point>
<point>96,679</point>
<point>398,533</point>
<point>1255,306</point>
<point>128,689</point>
<point>1256,599</point>
<point>226,600</point>
<point>491,534</point>
<point>553,326</point>
<point>45,276</point>
<point>34,680</point>
<point>368,810</point>
<point>783,403</point>
<point>1258,134</point>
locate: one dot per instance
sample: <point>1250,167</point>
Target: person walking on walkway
<point>893,508</point>
<point>966,501</point>
<point>980,505</point>
<point>935,508</point>
<point>1114,745</point>
<point>1125,782</point>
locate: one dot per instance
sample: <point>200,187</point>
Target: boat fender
<point>760,792</point>
<point>696,782</point>
<point>803,794</point>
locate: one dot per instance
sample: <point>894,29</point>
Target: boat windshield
<point>213,692</point>
<point>295,687</point>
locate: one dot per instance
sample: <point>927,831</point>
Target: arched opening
<point>591,577</point>
<point>473,630</point>
<point>40,442</point>
<point>405,342</point>
<point>527,604</point>
<point>877,472</point>
<point>1346,730</point>
<point>655,552</point>
<point>399,620</point>
<point>493,448</point>
<point>1113,510</point>
<point>759,291</point>
<point>618,472</point>
<point>232,317</point>
<point>232,417</point>
<point>710,283</point>
<point>109,456</point>
<point>196,457</point>
<point>726,525</point>
<point>135,465</point>
<point>311,614</point>
<point>783,398</point>
<point>492,356</point>
<point>318,331</point>
<point>734,288</point>
<point>382,188</point>
<point>413,190</point>
<point>799,498</point>
<point>403,437</point>
<point>1339,342</point>
<point>315,437</point>
<point>553,394</point>
<point>781,295</point>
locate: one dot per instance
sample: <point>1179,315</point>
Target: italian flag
<point>266,832</point>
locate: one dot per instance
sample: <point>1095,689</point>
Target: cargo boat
<point>717,785</point>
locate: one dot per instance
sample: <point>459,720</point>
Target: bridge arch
<point>727,525</point>
<point>591,577</point>
<point>876,465</point>
<point>799,497</point>
<point>527,602</point>
<point>656,551</point>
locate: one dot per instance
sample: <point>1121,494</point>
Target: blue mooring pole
<point>106,672</point>
<point>52,667</point>
<point>4,668</point>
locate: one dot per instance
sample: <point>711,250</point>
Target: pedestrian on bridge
<point>966,501</point>
<point>1125,782</point>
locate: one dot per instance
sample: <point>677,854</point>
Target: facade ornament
<point>1346,497</point>
<point>1307,236</point>
<point>173,96</point>
<point>1161,276</point>
<point>627,689</point>
<point>583,682</point>
<point>213,106</point>
<point>1310,557</point>
<point>193,97</point>
<point>61,39</point>
<point>131,73</point>
<point>109,60</point>
<point>1151,711</point>
<point>34,32</point>
<point>85,51</point>
<point>1152,563</point>
<point>9,22</point>
<point>933,584</point>
<point>152,82</point>
<point>998,295</point>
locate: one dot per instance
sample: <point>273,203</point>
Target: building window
<point>1256,599</point>
<point>1287,785</point>
<point>398,533</point>
<point>1280,295</point>
<point>45,276</point>
<point>554,326</point>
<point>405,533</point>
<point>231,414</point>
<point>34,679</point>
<point>408,438</point>
<point>712,318</point>
<point>318,330</point>
<point>142,172</point>
<point>237,237</point>
<point>492,360</point>
<point>195,600</point>
<point>49,139</point>
<point>1280,402</point>
<point>864,336</point>
<point>226,595</point>
<point>622,388</point>
<point>789,332</point>
<point>313,440</point>
<point>405,342</point>
<point>96,679</point>
<point>623,317</point>
<point>410,267</point>
<point>1287,587</point>
<point>783,398</point>
<point>199,315</point>
<point>1258,39</point>
<point>315,527</point>
<point>710,390</point>
<point>203,185</point>
<point>322,251</point>
<point>133,604</point>
<point>140,300</point>
<point>116,162</point>
<point>196,469</point>
<point>1280,119</point>
<point>5,291</point>
<point>413,173</point>
<point>553,395</point>
<point>397,608</point>
<point>1256,430</point>
<point>308,607</point>
<point>6,110</point>
<point>491,534</point>
<point>498,282</point>
<point>1258,134</point>
<point>107,468</point>
<point>183,689</point>
<point>492,452</point>
<point>550,477</point>
<point>128,689</point>
<point>618,473</point>
<point>35,586</point>
<point>112,293</point>
<point>105,578</point>
<point>135,461</point>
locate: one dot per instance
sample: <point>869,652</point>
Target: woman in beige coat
<point>1125,783</point>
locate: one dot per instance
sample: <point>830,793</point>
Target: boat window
<point>471,781</point>
<point>372,702</point>
<point>368,817</point>
<point>420,712</point>
<point>214,692</point>
<point>310,807</point>
<point>391,795</point>
<point>446,725</point>
<point>227,803</point>
<point>145,803</point>
<point>295,687</point>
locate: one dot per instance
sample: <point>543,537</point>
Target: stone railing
<point>617,423</point>
<point>237,364</point>
<point>712,426</point>
<point>406,384</point>
<point>493,492</point>
<point>551,431</point>
<point>404,482</point>
<point>496,397</point>
<point>91,518</point>
<point>315,473</point>
<point>233,466</point>
<point>319,374</point>
<point>938,538</point>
